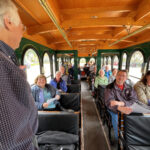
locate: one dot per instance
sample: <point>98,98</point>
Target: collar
<point>59,81</point>
<point>9,52</point>
<point>117,88</point>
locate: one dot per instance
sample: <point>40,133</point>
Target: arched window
<point>136,66</point>
<point>124,61</point>
<point>82,62</point>
<point>92,60</point>
<point>31,61</point>
<point>109,62</point>
<point>47,67</point>
<point>115,62</point>
<point>54,68</point>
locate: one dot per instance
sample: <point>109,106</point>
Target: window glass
<point>72,61</point>
<point>82,62</point>
<point>101,61</point>
<point>116,62</point>
<point>109,62</point>
<point>105,61</point>
<point>92,60</point>
<point>54,68</point>
<point>124,60</point>
<point>31,61</point>
<point>47,66</point>
<point>136,65</point>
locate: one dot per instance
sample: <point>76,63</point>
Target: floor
<point>93,132</point>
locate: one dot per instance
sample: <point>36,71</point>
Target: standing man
<point>18,114</point>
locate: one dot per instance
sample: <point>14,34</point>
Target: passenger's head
<point>11,28</point>
<point>62,69</point>
<point>107,68</point>
<point>58,75</point>
<point>40,80</point>
<point>146,78</point>
<point>121,77</point>
<point>101,73</point>
<point>114,72</point>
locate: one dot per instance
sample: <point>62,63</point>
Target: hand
<point>125,110</point>
<point>121,103</point>
<point>116,103</point>
<point>113,103</point>
<point>45,105</point>
<point>57,97</point>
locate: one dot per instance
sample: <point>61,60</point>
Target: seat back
<point>74,88</point>
<point>100,92</point>
<point>137,131</point>
<point>66,122</point>
<point>70,101</point>
<point>75,82</point>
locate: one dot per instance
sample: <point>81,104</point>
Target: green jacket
<point>100,81</point>
<point>143,92</point>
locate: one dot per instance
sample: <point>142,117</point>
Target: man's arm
<point>110,101</point>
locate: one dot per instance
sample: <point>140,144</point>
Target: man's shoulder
<point>110,86</point>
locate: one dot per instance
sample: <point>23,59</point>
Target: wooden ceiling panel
<point>72,4</point>
<point>86,25</point>
<point>34,9</point>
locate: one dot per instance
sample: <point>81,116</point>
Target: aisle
<point>93,134</point>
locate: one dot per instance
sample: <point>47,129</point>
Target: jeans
<point>114,120</point>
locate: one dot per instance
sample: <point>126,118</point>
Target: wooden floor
<point>93,133</point>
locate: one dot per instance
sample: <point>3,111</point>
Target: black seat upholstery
<point>136,132</point>
<point>70,101</point>
<point>74,88</point>
<point>67,122</point>
<point>75,82</point>
<point>106,117</point>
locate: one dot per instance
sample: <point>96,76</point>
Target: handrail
<point>130,34</point>
<point>51,15</point>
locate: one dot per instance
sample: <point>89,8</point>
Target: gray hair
<point>8,7</point>
<point>58,72</point>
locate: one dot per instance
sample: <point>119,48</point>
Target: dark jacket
<point>127,95</point>
<point>36,91</point>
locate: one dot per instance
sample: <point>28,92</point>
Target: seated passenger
<point>113,76</point>
<point>108,72</point>
<point>71,71</point>
<point>64,76</point>
<point>59,83</point>
<point>119,96</point>
<point>142,89</point>
<point>44,93</point>
<point>101,79</point>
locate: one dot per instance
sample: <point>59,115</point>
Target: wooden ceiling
<point>88,25</point>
